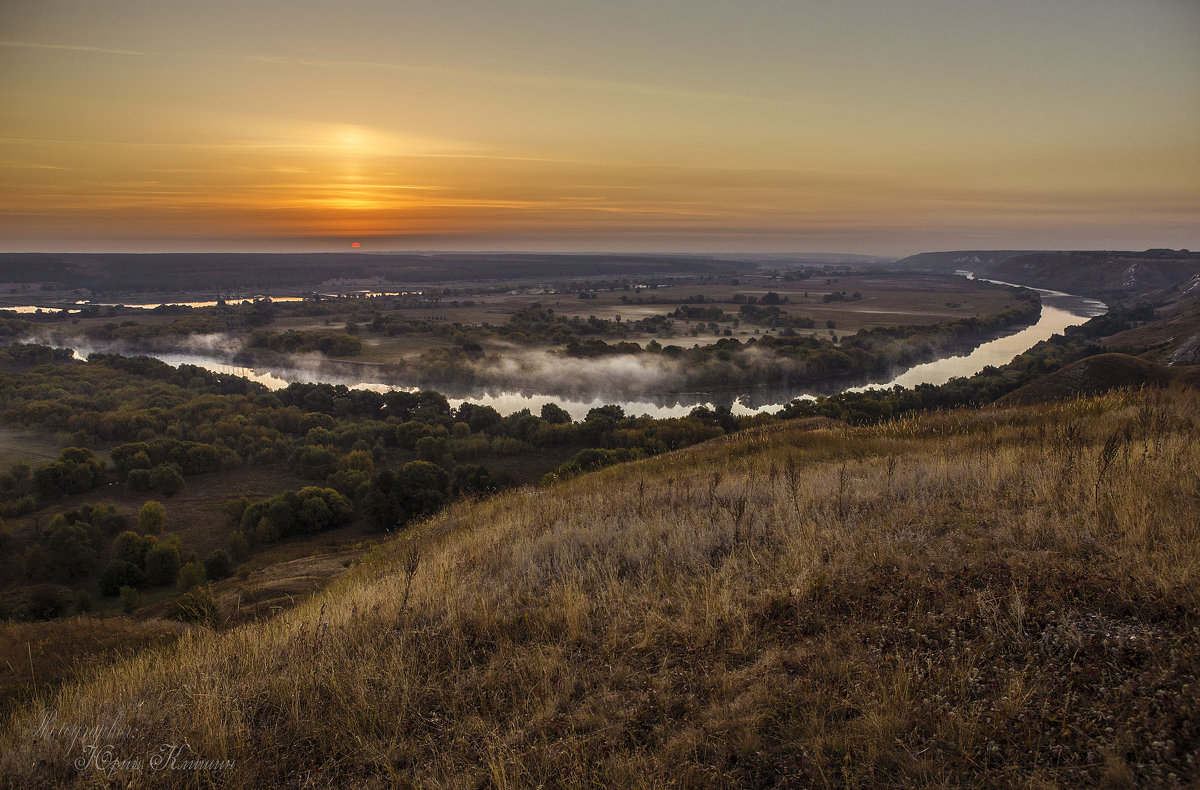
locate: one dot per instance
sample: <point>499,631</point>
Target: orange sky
<point>872,126</point>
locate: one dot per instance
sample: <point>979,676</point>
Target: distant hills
<point>247,272</point>
<point>1108,275</point>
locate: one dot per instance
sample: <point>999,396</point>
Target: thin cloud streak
<point>526,79</point>
<point>80,48</point>
<point>608,86</point>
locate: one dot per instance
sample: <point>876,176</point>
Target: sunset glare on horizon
<point>867,126</point>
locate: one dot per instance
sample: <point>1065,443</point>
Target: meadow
<point>996,597</point>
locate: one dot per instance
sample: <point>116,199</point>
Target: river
<point>1059,311</point>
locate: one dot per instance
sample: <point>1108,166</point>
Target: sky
<point>884,127</point>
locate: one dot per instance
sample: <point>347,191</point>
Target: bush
<point>311,509</point>
<point>191,575</point>
<point>218,565</point>
<point>83,602</point>
<point>166,480</point>
<point>47,601</point>
<point>130,546</point>
<point>239,547</point>
<point>198,606</point>
<point>152,518</point>
<point>395,498</point>
<point>138,480</point>
<point>130,599</point>
<point>162,564</point>
<point>118,574</point>
<point>69,547</point>
<point>315,463</point>
<point>76,471</point>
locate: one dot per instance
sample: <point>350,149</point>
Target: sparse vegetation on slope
<point>998,598</point>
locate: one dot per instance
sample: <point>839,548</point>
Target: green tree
<point>82,603</point>
<point>218,565</point>
<point>190,576</point>
<point>239,547</point>
<point>152,518</point>
<point>555,414</point>
<point>69,550</point>
<point>118,574</point>
<point>47,601</point>
<point>130,547</point>
<point>130,599</point>
<point>166,480</point>
<point>162,563</point>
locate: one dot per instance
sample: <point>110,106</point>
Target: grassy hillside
<point>981,598</point>
<point>1094,375</point>
<point>1110,275</point>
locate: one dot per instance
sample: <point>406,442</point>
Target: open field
<point>881,301</point>
<point>131,276</point>
<point>31,447</point>
<point>979,598</point>
<point>886,301</point>
<point>655,336</point>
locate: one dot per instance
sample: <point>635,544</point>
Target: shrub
<point>76,471</point>
<point>69,548</point>
<point>152,518</point>
<point>218,565</point>
<point>197,606</point>
<point>118,574</point>
<point>130,546</point>
<point>130,599</point>
<point>162,564</point>
<point>47,601</point>
<point>138,480</point>
<point>83,602</point>
<point>311,509</point>
<point>395,498</point>
<point>166,480</point>
<point>239,547</point>
<point>191,575</point>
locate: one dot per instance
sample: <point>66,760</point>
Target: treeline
<point>382,458</point>
<point>785,359</point>
<point>875,405</point>
<point>71,549</point>
<point>333,344</point>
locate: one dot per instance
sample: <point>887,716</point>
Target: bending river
<point>1059,311</point>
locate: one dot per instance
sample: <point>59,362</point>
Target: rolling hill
<point>985,598</point>
<point>1094,375</point>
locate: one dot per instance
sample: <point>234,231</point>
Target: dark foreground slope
<point>998,598</point>
<point>1096,374</point>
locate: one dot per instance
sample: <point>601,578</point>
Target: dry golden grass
<point>995,598</point>
<point>36,657</point>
